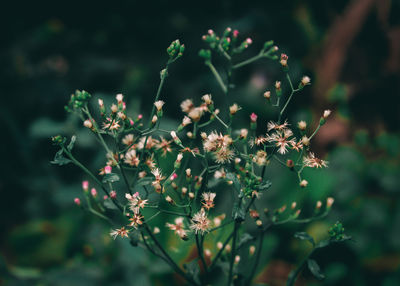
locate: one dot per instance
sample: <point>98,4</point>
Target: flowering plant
<point>209,151</point>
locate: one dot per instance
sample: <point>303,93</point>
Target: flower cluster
<point>207,149</point>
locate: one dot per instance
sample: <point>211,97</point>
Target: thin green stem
<point>221,250</point>
<point>201,253</point>
<point>293,275</point>
<point>220,120</point>
<point>217,76</point>
<point>230,275</point>
<point>257,259</point>
<point>166,255</point>
<point>90,174</point>
<point>315,132</point>
<point>249,61</point>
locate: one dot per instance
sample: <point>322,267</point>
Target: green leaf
<point>238,211</point>
<point>265,185</point>
<point>109,204</point>
<point>110,178</point>
<point>71,143</point>
<point>193,270</point>
<point>315,270</point>
<point>305,236</point>
<point>59,159</point>
<point>244,239</point>
<point>323,243</point>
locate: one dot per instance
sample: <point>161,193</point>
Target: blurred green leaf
<point>59,159</point>
<point>304,236</point>
<point>315,269</point>
<point>110,178</point>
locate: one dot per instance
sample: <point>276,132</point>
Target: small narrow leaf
<point>59,159</point>
<point>244,239</point>
<point>315,269</point>
<point>238,212</point>
<point>304,236</point>
<point>109,204</point>
<point>265,185</point>
<point>323,243</point>
<point>71,143</point>
<point>193,270</point>
<point>110,178</point>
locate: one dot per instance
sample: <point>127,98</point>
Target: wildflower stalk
<point>293,275</point>
<point>168,258</point>
<point>96,128</point>
<point>221,250</point>
<point>90,174</point>
<point>261,55</point>
<point>292,91</point>
<point>220,148</point>
<point>230,275</point>
<point>257,258</point>
<point>220,120</point>
<point>315,132</point>
<point>217,76</point>
<point>201,252</point>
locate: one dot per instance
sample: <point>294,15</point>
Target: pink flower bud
<point>93,192</point>
<point>107,169</point>
<point>210,31</point>
<point>113,195</point>
<point>77,201</point>
<point>85,185</point>
<point>173,177</point>
<point>253,117</point>
<point>235,33</point>
<point>105,197</point>
<point>140,116</point>
<point>249,41</point>
<point>131,121</point>
<point>123,105</point>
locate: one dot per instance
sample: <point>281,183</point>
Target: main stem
<point>230,276</point>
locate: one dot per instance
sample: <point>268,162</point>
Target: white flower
<point>159,104</point>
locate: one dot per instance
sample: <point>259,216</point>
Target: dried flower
<point>207,99</point>
<point>121,232</point>
<point>187,105</point>
<point>200,222</point>
<point>208,200</point>
<point>234,108</point>
<point>303,183</point>
<point>302,125</point>
<point>159,104</point>
<point>281,139</point>
<point>313,162</point>
<point>178,227</point>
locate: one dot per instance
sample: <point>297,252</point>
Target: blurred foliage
<point>50,49</point>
